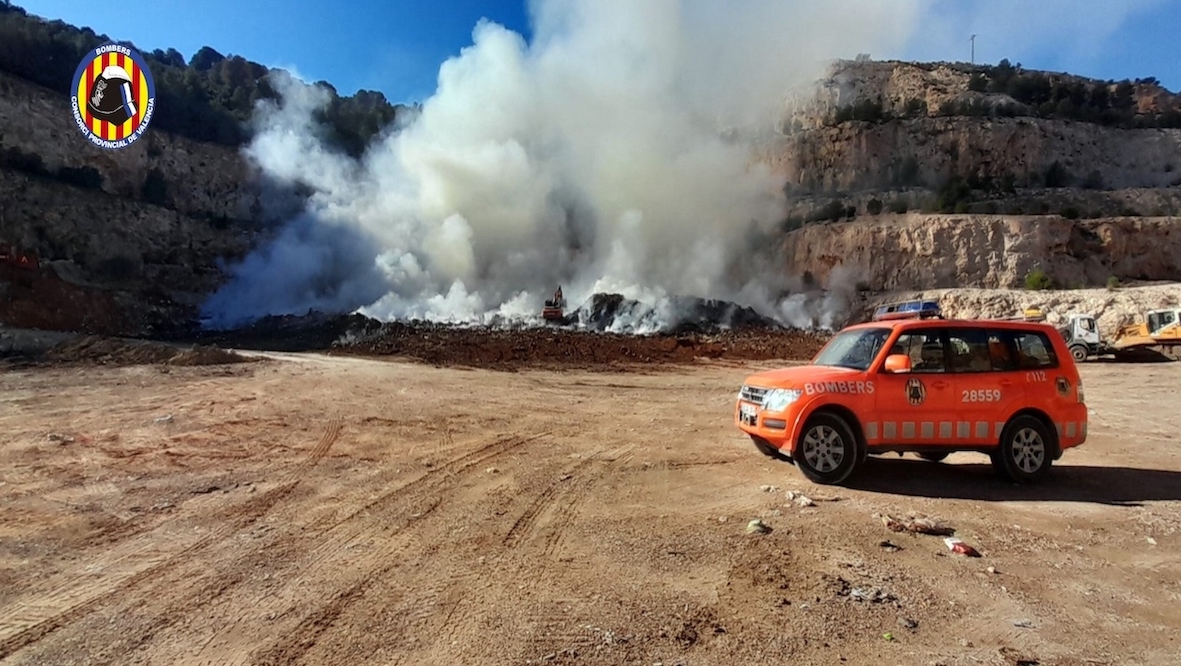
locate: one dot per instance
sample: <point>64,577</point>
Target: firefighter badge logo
<point>113,96</point>
<point>916,392</point>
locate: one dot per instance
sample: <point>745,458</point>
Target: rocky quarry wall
<point>1111,307</point>
<point>895,252</point>
<point>914,144</point>
<point>860,155</point>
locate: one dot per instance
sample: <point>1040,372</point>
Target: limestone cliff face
<point>944,251</point>
<point>914,142</point>
<point>862,155</point>
<point>895,84</point>
<point>203,179</point>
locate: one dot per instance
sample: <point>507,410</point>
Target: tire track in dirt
<point>562,498</point>
<point>385,519</point>
<point>579,493</point>
<point>332,545</point>
<point>294,645</point>
<point>559,530</point>
<point>331,433</point>
<point>416,493</point>
<point>76,594</point>
<point>524,524</point>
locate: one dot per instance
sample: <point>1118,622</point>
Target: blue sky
<point>396,46</point>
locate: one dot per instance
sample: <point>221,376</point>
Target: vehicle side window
<point>1034,350</point>
<point>970,350</point>
<point>1000,352</point>
<point>925,349</point>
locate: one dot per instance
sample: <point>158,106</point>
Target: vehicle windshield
<point>853,349</point>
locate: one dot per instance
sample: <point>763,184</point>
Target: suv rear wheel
<point>827,451</point>
<point>1026,450</point>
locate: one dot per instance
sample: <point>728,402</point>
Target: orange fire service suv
<point>911,381</point>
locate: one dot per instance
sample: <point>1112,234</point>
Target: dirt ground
<point>341,510</point>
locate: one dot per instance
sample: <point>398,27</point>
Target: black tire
<point>934,457</point>
<point>1027,450</point>
<point>1079,352</point>
<point>828,451</point>
<point>766,449</point>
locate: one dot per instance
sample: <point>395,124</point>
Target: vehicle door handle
<point>939,383</point>
<point>1006,382</point>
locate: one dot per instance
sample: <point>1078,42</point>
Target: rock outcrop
<point>1112,308</point>
<point>927,151</point>
<point>918,124</point>
<point>894,252</point>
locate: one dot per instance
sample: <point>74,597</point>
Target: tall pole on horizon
<point>973,40</point>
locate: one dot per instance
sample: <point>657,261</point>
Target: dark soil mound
<point>114,351</point>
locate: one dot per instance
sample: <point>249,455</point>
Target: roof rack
<point>913,309</point>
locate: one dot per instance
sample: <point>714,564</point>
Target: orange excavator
<point>554,307</point>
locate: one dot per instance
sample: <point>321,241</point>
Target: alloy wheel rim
<point>1029,451</point>
<point>823,449</point>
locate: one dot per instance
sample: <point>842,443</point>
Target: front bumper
<point>753,420</point>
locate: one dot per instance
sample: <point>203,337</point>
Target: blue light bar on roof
<point>915,309</point>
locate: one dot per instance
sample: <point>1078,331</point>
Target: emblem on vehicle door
<point>916,392</point>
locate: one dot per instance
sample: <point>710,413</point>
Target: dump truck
<point>1081,333</point>
<point>1158,337</point>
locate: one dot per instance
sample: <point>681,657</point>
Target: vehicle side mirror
<point>897,363</point>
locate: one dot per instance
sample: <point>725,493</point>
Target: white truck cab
<point>1081,333</point>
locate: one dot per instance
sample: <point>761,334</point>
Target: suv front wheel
<point>1026,450</point>
<point>827,450</point>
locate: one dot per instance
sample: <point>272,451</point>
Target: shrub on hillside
<point>1037,279</point>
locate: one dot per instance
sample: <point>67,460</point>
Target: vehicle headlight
<point>777,400</point>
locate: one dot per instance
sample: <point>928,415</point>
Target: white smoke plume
<point>611,154</point>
